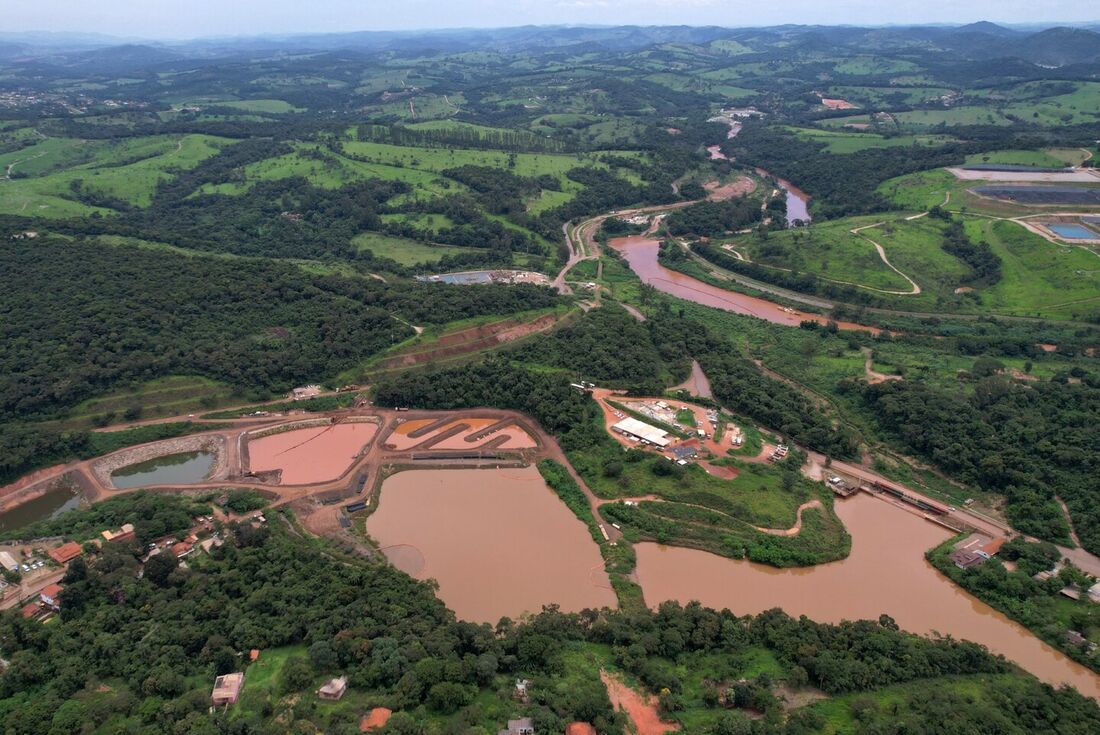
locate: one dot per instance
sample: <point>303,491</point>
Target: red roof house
<point>51,595</point>
<point>66,552</point>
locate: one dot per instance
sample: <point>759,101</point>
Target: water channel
<point>885,573</point>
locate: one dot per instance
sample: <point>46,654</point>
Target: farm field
<point>842,142</point>
<point>404,250</point>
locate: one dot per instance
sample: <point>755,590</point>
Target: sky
<point>177,19</point>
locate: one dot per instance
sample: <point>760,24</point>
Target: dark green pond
<point>184,469</point>
<point>52,504</point>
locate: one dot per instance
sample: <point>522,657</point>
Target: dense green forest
<point>1029,443</point>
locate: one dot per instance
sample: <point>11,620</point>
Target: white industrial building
<point>643,432</point>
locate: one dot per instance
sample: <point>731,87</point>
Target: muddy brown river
<point>499,542</point>
<point>641,252</point>
<point>885,573</point>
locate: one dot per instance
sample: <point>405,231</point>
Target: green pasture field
<point>433,222</point>
<point>921,191</point>
<point>887,96</point>
<point>840,122</point>
<point>271,107</point>
<point>828,250</point>
<point>440,159</point>
<point>1046,158</point>
<point>335,171</point>
<point>129,171</point>
<point>730,47</point>
<point>967,115</point>
<point>424,107</point>
<point>404,250</point>
<point>1032,102</point>
<point>861,66</point>
<point>841,142</point>
<point>756,496</point>
<point>547,199</point>
<point>1040,277</point>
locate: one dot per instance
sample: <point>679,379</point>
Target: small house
<point>967,558</point>
<point>520,692</point>
<point>227,688</point>
<point>1072,591</point>
<point>51,596</point>
<point>522,726</point>
<point>121,536</point>
<point>334,689</point>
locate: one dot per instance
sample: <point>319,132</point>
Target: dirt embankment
<point>473,339</point>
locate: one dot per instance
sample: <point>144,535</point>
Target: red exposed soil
<point>721,192</point>
<point>641,710</point>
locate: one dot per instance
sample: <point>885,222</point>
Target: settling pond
<point>499,542</point>
<point>885,573</point>
<point>174,469</point>
<point>50,504</point>
<point>315,454</point>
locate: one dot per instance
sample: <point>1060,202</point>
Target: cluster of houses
<point>227,690</point>
<point>779,453</point>
<point>47,601</point>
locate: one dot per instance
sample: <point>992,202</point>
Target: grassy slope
<point>129,170</point>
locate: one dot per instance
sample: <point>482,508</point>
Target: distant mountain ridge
<point>1056,46</point>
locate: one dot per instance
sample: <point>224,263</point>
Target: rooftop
<point>66,552</point>
<point>642,430</point>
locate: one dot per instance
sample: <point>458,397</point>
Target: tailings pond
<point>641,255</point>
<point>315,454</point>
<point>885,573</point>
<point>174,469</point>
<point>499,542</point>
<point>50,504</point>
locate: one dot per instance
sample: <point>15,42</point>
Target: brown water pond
<point>885,573</point>
<point>641,255</point>
<point>316,454</point>
<point>499,542</point>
